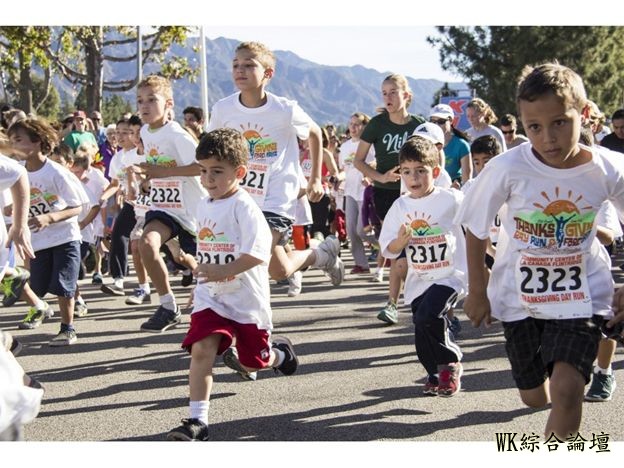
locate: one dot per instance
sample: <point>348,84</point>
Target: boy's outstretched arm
<point>19,233</point>
<point>477,304</point>
<point>315,142</point>
<point>216,272</point>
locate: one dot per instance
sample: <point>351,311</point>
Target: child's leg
<point>283,263</point>
<point>139,268</point>
<point>398,273</point>
<point>566,393</point>
<point>606,351</point>
<point>149,245</point>
<point>203,355</point>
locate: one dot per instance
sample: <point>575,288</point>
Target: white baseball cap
<point>442,111</point>
<point>431,132</point>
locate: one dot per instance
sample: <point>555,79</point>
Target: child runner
<point>387,132</point>
<point>55,204</point>
<point>232,298</point>
<point>172,170</point>
<point>271,125</point>
<point>550,284</point>
<point>421,224</point>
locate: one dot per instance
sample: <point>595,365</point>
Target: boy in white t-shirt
<point>271,125</point>
<point>551,285</point>
<point>421,224</point>
<point>232,298</point>
<point>174,191</point>
<point>55,204</point>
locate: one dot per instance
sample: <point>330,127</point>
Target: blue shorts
<point>55,270</point>
<point>280,224</point>
<point>188,242</point>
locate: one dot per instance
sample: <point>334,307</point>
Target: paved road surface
<point>358,379</point>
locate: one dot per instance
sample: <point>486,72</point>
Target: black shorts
<point>188,242</point>
<point>280,224</point>
<point>383,199</point>
<point>533,346</point>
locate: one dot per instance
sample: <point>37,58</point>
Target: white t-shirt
<point>53,188</point>
<point>172,146</point>
<point>271,131</point>
<point>122,160</point>
<point>353,178</point>
<point>496,225</point>
<point>94,183</point>
<point>546,257</point>
<point>489,130</point>
<point>228,228</point>
<point>436,253</point>
<point>10,172</point>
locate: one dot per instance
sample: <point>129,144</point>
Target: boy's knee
<point>278,273</point>
<point>535,398</point>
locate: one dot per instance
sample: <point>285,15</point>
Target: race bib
<point>553,287</point>
<point>219,253</point>
<point>38,206</point>
<point>431,257</point>
<point>256,181</point>
<point>166,194</point>
<point>306,167</point>
<point>142,205</point>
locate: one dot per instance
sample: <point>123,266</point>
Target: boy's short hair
<point>64,151</point>
<point>419,149</point>
<point>262,53</point>
<point>486,144</point>
<point>618,114</point>
<point>224,144</point>
<point>135,120</point>
<point>159,84</point>
<point>197,112</point>
<point>38,130</point>
<point>551,78</point>
<point>82,160</point>
<point>123,121</point>
<point>509,120</point>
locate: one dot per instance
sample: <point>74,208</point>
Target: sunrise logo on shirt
<point>420,226</point>
<point>260,146</point>
<point>154,157</point>
<point>207,233</point>
<point>49,197</point>
<point>558,223</point>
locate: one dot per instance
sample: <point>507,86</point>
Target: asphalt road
<point>358,380</point>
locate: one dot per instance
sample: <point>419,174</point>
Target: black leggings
<point>118,258</point>
<point>320,216</point>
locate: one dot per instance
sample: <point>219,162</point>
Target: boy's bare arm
<point>477,304</point>
<point>315,188</point>
<point>40,222</point>
<point>400,242</point>
<point>215,272</point>
<point>93,212</point>
<point>19,233</point>
<point>153,171</point>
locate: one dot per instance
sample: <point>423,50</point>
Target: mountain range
<point>326,93</point>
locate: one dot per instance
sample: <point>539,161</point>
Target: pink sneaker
<point>450,378</point>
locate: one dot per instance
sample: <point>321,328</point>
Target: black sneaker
<point>162,320</point>
<point>16,347</point>
<point>289,366</point>
<point>186,280</point>
<point>113,289</point>
<point>13,286</point>
<point>189,431</point>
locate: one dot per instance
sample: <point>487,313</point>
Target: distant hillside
<point>327,93</point>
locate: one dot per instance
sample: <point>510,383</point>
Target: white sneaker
<point>377,276</point>
<point>294,284</point>
<point>332,264</point>
<point>80,310</point>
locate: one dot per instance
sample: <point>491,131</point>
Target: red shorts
<point>252,343</point>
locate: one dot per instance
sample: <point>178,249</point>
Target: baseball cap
<point>431,132</point>
<point>442,111</point>
<point>80,114</point>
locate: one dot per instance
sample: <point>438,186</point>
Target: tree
<point>47,97</point>
<point>81,52</point>
<point>22,48</point>
<point>491,58</point>
<point>114,107</point>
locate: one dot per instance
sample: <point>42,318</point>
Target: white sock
<point>168,301</point>
<point>40,305</point>
<point>279,354</point>
<point>600,370</point>
<point>118,282</point>
<point>145,287</point>
<point>380,271</point>
<point>199,410</point>
<point>80,301</point>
